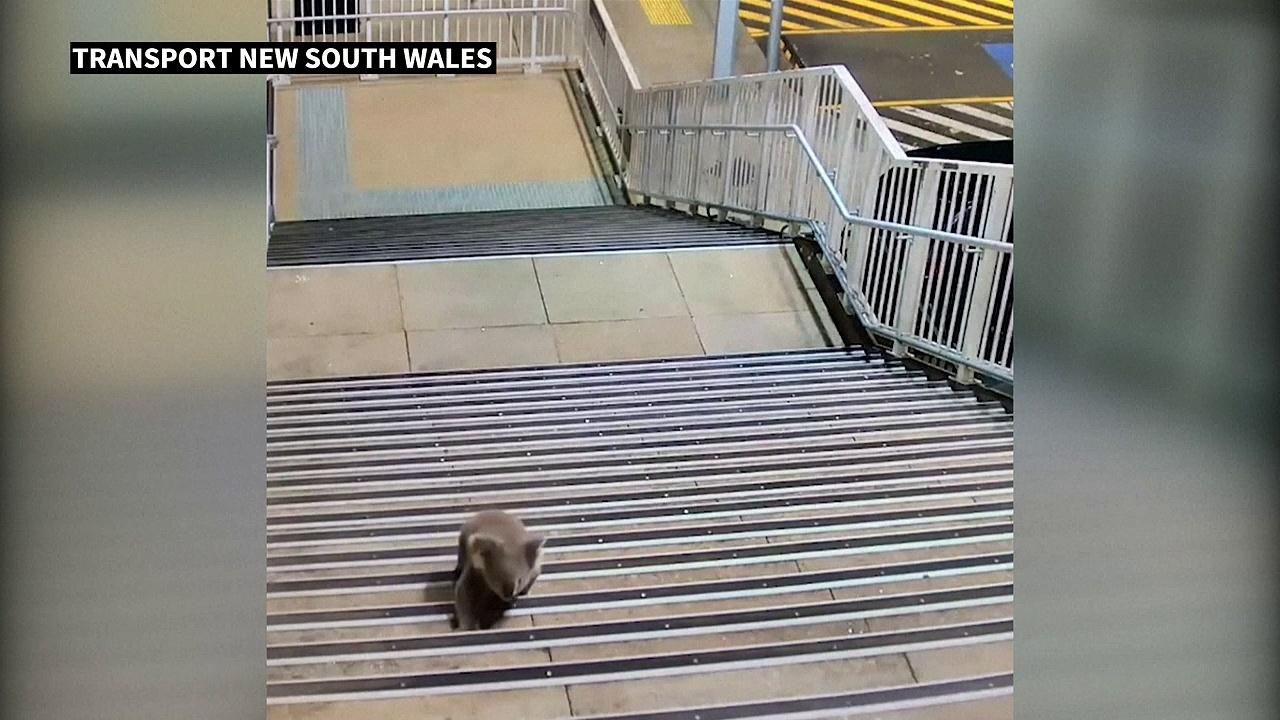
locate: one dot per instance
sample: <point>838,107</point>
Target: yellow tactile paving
<point>838,15</point>
<point>666,12</point>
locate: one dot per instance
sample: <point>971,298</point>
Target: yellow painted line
<point>847,12</point>
<point>666,12</point>
<point>1004,3</point>
<point>949,28</point>
<point>943,101</point>
<point>978,7</point>
<point>749,15</point>
<point>790,9</point>
<point>886,10</point>
<point>944,11</point>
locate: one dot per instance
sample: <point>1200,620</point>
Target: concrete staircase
<point>819,533</point>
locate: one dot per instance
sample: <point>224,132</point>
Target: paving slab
<point>481,347</point>
<point>764,331</point>
<point>627,339</point>
<point>290,358</point>
<point>333,301</point>
<point>626,286</point>
<point>470,294</point>
<point>737,281</point>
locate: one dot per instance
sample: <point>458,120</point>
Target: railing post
<point>775,33</point>
<point>726,48</point>
<point>912,285</point>
<point>272,142</point>
<point>976,312</point>
<point>532,65</point>
<point>912,282</point>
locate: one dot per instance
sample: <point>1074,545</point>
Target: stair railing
<point>925,290</point>
<point>528,33</point>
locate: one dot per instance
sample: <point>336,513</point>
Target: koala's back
<point>497,524</point>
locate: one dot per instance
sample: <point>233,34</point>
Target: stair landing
<point>400,146</point>
<point>510,311</point>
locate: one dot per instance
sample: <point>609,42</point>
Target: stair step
<point>452,236</point>
<point>798,529</point>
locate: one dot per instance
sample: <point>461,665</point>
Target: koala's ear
<point>480,547</point>
<point>533,548</point>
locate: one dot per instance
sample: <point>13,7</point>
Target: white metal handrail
<point>529,33</point>
<point>942,293</point>
<point>608,75</point>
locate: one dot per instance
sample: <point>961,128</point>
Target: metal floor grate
<point>508,232</point>
<point>711,520</point>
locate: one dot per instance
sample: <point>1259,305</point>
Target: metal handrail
<point>533,9</point>
<point>611,32</point>
<point>839,72</point>
<point>977,334</point>
<point>824,176</point>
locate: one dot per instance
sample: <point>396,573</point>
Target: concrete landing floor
<point>403,146</point>
<point>376,319</point>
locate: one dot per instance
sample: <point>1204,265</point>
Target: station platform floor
<point>500,312</point>
<point>674,40</point>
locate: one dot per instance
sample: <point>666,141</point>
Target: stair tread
<point>774,515</point>
<point>495,234</point>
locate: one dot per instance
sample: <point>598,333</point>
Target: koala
<point>498,560</point>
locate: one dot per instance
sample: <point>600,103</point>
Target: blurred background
<point>133,408</point>
<point>1146,432</point>
<point>132,272</point>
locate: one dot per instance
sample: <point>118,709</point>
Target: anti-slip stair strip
<point>446,518</point>
<point>398,237</point>
<point>861,488</point>
<point>740,555</point>
<point>585,412</point>
<point>621,399</point>
<point>640,629</point>
<point>841,706</point>
<point>796,437</point>
<point>429,430</point>
<point>852,381</point>
<point>712,377</point>
<point>620,368</point>
<point>701,591</point>
<point>465,464</point>
<point>685,467</point>
<point>595,542</point>
<point>506,678</point>
<point>893,420</point>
